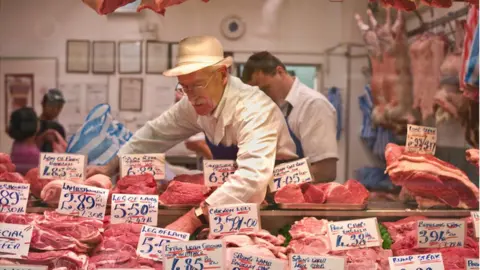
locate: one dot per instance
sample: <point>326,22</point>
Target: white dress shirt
<point>313,120</point>
<point>245,117</point>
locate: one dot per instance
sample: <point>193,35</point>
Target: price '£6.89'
<point>152,239</point>
<point>294,172</point>
<point>13,197</point>
<point>209,254</point>
<point>140,164</point>
<point>433,261</point>
<point>421,139</point>
<point>353,234</point>
<point>62,166</point>
<point>216,172</point>
<point>440,233</point>
<point>84,201</point>
<point>140,209</point>
<point>231,219</point>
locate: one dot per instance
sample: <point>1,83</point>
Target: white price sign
<point>62,166</point>
<point>140,209</point>
<point>235,218</point>
<point>472,264</point>
<point>216,172</point>
<point>309,262</point>
<point>295,172</point>
<point>209,254</point>
<point>241,260</point>
<point>433,261</point>
<point>83,201</point>
<point>476,218</point>
<point>421,139</point>
<point>354,234</point>
<point>440,233</point>
<point>14,197</point>
<point>23,267</point>
<point>152,239</point>
<point>15,240</point>
<point>140,164</point>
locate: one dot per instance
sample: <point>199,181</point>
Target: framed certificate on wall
<point>130,57</point>
<point>103,57</point>
<point>156,57</point>
<point>78,56</point>
<point>130,94</point>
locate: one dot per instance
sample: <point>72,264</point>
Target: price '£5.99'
<point>140,164</point>
<point>13,197</point>
<point>433,261</point>
<point>15,240</point>
<point>353,234</point>
<point>421,139</point>
<point>440,233</point>
<point>231,219</point>
<point>84,201</point>
<point>216,172</point>
<point>140,209</point>
<point>152,239</point>
<point>294,172</point>
<point>209,254</point>
<point>62,166</point>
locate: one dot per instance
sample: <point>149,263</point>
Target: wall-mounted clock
<point>232,27</point>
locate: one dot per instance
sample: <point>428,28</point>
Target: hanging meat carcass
<point>103,7</point>
<point>160,6</point>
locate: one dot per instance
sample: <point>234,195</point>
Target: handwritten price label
<point>208,254</point>
<point>13,197</point>
<point>140,164</point>
<point>15,240</point>
<point>23,267</point>
<point>353,234</point>
<point>83,201</point>
<point>472,264</point>
<point>421,140</point>
<point>235,218</point>
<point>216,172</point>
<point>152,239</point>
<point>294,172</point>
<point>140,209</point>
<point>241,260</point>
<point>309,262</point>
<point>440,233</point>
<point>476,218</point>
<point>433,261</point>
<point>62,166</point>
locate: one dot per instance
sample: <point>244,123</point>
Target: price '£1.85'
<point>140,209</point>
<point>354,234</point>
<point>152,239</point>
<point>62,166</point>
<point>231,219</point>
<point>209,254</point>
<point>294,172</point>
<point>421,139</point>
<point>13,197</point>
<point>216,172</point>
<point>140,164</point>
<point>84,201</point>
<point>440,233</point>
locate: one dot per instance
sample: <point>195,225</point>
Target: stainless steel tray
<point>324,206</point>
<point>190,206</point>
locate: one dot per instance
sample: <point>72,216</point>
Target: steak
<point>160,6</point>
<point>429,177</point>
<point>6,164</point>
<point>184,193</point>
<point>137,184</point>
<point>472,156</point>
<point>103,7</point>
<point>291,193</point>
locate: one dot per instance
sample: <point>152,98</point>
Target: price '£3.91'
<point>421,139</point>
<point>433,261</point>
<point>139,209</point>
<point>231,219</point>
<point>152,239</point>
<point>209,254</point>
<point>216,172</point>
<point>354,234</point>
<point>83,201</point>
<point>440,233</point>
<point>62,166</point>
<point>13,197</point>
<point>294,172</point>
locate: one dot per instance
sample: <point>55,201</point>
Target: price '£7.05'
<point>139,209</point>
<point>13,197</point>
<point>294,172</point>
<point>216,172</point>
<point>152,239</point>
<point>231,219</point>
<point>83,201</point>
<point>353,234</point>
<point>421,139</point>
<point>440,233</point>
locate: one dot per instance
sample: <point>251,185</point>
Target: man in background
<point>310,116</point>
<point>50,129</point>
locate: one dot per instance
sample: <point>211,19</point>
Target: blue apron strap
<point>298,144</point>
<point>222,152</point>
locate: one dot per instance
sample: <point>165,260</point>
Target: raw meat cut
<point>407,5</point>
<point>6,164</point>
<point>36,183</point>
<point>57,259</point>
<point>190,178</point>
<point>469,90</point>
<point>291,193</point>
<point>51,192</point>
<point>184,193</point>
<point>103,7</point>
<point>160,6</point>
<point>12,177</point>
<point>438,3</point>
<point>313,194</point>
<point>136,184</point>
<point>428,177</point>
<point>100,181</point>
<point>472,156</point>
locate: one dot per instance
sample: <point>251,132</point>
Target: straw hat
<point>195,53</point>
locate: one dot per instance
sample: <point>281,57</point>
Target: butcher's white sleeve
<point>162,133</point>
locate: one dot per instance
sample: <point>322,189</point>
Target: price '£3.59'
<point>83,201</point>
<point>294,172</point>
<point>13,197</point>
<point>421,139</point>
<point>209,254</point>
<point>433,261</point>
<point>440,233</point>
<point>140,164</point>
<point>216,172</point>
<point>15,240</point>
<point>231,219</point>
<point>62,166</point>
<point>354,234</point>
<point>140,209</point>
<point>152,239</point>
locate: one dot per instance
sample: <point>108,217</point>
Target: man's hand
<point>187,223</point>
<point>324,170</point>
<point>93,170</point>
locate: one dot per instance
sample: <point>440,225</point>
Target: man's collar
<point>222,110</point>
<point>293,93</point>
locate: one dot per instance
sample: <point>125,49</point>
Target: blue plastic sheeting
<point>335,98</point>
<point>374,178</point>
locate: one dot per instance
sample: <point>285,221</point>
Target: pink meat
<point>472,156</point>
<point>183,193</point>
<point>12,177</point>
<point>36,183</point>
<point>359,193</point>
<point>193,179</point>
<point>103,7</point>
<point>136,184</point>
<point>51,192</point>
<point>313,194</point>
<point>160,6</point>
<point>289,194</point>
<point>100,181</point>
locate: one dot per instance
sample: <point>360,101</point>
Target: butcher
<point>311,118</point>
<point>240,123</point>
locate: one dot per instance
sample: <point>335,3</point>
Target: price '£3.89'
<point>13,197</point>
<point>140,209</point>
<point>440,233</point>
<point>140,164</point>
<point>152,239</point>
<point>231,219</point>
<point>294,172</point>
<point>62,166</point>
<point>354,234</point>
<point>433,261</point>
<point>84,201</point>
<point>421,139</point>
<point>209,254</point>
<point>216,172</point>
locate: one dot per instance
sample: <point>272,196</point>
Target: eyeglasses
<point>186,89</point>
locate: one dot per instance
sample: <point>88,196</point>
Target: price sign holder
<point>433,261</point>
<point>354,234</point>
<point>435,233</point>
<point>310,262</point>
<point>476,218</point>
<point>140,164</point>
<point>472,264</point>
<point>209,254</point>
<point>62,166</point>
<point>421,139</point>
<point>234,218</point>
<point>244,260</point>
<point>216,172</point>
<point>23,267</point>
<point>152,239</point>
<point>295,172</point>
<point>15,241</point>
<point>83,201</point>
<point>13,197</point>
<point>131,208</point>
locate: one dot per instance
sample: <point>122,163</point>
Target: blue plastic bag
<point>100,137</point>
